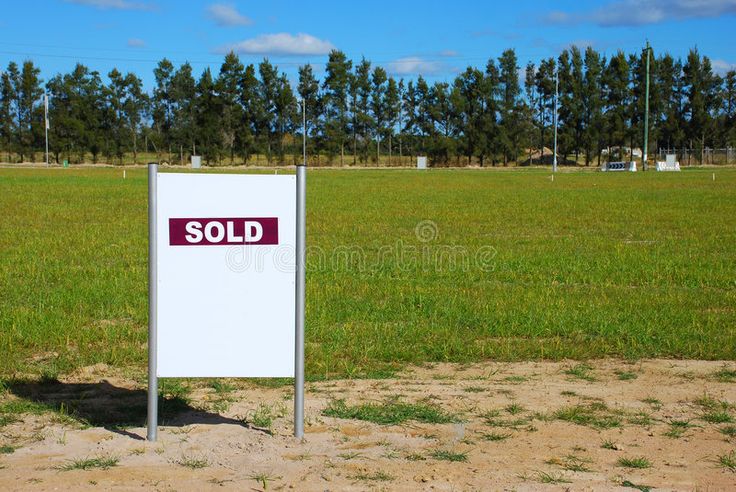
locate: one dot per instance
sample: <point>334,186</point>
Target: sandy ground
<point>214,445</point>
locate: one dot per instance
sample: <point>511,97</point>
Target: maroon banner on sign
<point>224,231</point>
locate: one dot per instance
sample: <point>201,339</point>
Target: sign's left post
<point>152,420</point>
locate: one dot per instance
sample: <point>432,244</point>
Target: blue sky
<point>435,38</point>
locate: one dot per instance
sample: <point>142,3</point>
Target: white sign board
<point>226,263</point>
<point>421,163</point>
<point>196,161</point>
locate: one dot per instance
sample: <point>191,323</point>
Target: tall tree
<point>228,92</point>
<point>702,99</point>
<point>335,86</point>
<point>510,114</point>
<point>28,91</point>
<point>393,110</point>
<point>545,86</point>
<point>162,106</point>
<point>378,107</point>
<point>7,109</point>
<point>207,112</point>
<point>617,96</point>
<point>183,95</point>
<point>361,82</point>
<point>592,106</point>
<point>308,89</point>
<point>252,113</point>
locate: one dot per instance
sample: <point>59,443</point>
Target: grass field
<point>453,265</point>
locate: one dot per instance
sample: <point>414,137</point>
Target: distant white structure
<point>196,161</point>
<point>619,166</point>
<point>421,162</point>
<point>670,164</point>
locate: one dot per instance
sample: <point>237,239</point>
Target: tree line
<point>358,113</point>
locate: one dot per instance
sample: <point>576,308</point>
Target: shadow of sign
<point>102,404</point>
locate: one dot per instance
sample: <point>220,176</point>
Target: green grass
<point>193,463</point>
<point>596,415</point>
<point>638,462</point>
<point>101,462</point>
<point>725,375</point>
<point>718,417</point>
<point>626,375</point>
<point>631,485</point>
<point>7,449</point>
<point>728,461</point>
<point>445,455</point>
<point>728,431</point>
<point>264,415</point>
<point>590,265</point>
<point>389,413</point>
<point>552,478</point>
<point>495,436</point>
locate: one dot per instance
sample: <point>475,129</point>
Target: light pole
<point>645,154</point>
<point>557,92</point>
<point>46,123</point>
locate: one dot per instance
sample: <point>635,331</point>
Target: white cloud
<point>449,53</point>
<point>722,67</point>
<point>641,12</point>
<point>226,15</point>
<point>414,65</point>
<point>281,44</point>
<point>136,43</point>
<point>115,4</point>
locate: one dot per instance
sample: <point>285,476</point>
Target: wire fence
<point>697,157</point>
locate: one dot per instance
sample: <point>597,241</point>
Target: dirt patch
<point>603,425</point>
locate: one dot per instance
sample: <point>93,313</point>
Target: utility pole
<point>557,92</point>
<point>645,155</point>
<point>46,123</point>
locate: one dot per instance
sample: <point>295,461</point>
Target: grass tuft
<point>596,415</point>
<point>727,461</point>
<point>725,375</point>
<point>637,462</point>
<point>101,462</point>
<point>495,436</point>
<point>193,462</point>
<point>389,413</point>
<point>445,455</point>
<point>552,478</point>
<point>581,371</point>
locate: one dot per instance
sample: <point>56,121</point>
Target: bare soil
<point>510,433</point>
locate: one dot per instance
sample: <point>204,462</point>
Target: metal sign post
<point>152,305</point>
<point>301,237</point>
